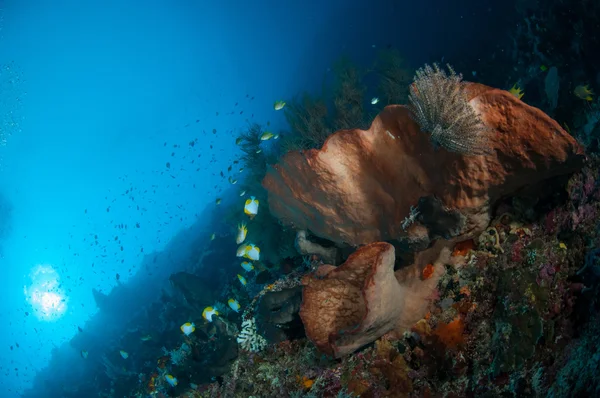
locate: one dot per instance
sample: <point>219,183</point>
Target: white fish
<point>252,253</point>
<point>251,207</point>
<point>374,100</point>
<point>241,251</point>
<point>241,235</point>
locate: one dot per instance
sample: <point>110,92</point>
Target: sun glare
<point>45,293</point>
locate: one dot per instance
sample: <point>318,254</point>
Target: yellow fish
<point>242,279</point>
<point>516,91</point>
<point>241,251</point>
<point>188,328</point>
<point>171,380</point>
<point>252,253</point>
<point>247,266</point>
<point>241,235</point>
<point>267,135</point>
<point>584,92</point>
<point>234,305</point>
<point>251,207</point>
<point>208,313</point>
<point>279,105</point>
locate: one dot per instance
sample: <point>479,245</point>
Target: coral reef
<point>501,320</point>
<point>249,339</point>
<point>375,176</point>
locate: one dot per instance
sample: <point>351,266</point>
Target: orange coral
<point>463,248</point>
<point>427,271</point>
<point>305,382</point>
<point>451,334</point>
<point>465,291</point>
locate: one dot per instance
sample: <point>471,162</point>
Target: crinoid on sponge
<point>439,103</point>
<point>360,186</point>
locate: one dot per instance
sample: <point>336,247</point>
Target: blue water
<point>97,96</point>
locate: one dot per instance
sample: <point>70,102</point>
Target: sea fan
<point>440,107</point>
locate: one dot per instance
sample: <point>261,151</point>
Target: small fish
<point>276,136</point>
<point>124,354</point>
<point>374,100</point>
<point>252,253</point>
<point>267,135</point>
<point>584,92</point>
<point>84,354</point>
<point>234,305</point>
<point>543,68</point>
<point>171,380</point>
<point>241,169</point>
<point>147,337</point>
<point>241,235</point>
<point>279,105</point>
<point>242,279</point>
<point>242,193</point>
<point>474,73</point>
<point>218,201</point>
<point>562,246</point>
<point>251,207</point>
<point>188,328</point>
<point>258,150</point>
<point>232,180</point>
<point>390,134</point>
<point>241,251</point>
<point>517,91</point>
<point>213,236</point>
<point>247,266</point>
<point>238,140</point>
<point>208,313</point>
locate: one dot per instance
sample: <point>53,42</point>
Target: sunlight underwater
<point>45,294</point>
